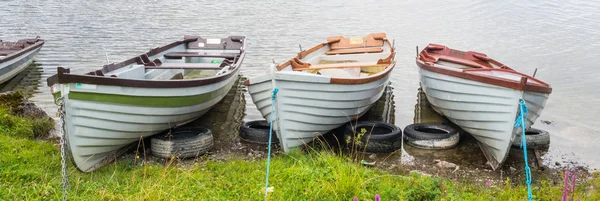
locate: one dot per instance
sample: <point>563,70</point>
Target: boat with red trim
<point>481,95</point>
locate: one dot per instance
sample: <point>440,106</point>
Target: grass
<point>30,170</point>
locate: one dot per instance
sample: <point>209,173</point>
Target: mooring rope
<point>520,122</point>
<point>270,138</point>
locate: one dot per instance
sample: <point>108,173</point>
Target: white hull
<point>486,111</point>
<point>98,130</point>
<point>308,105</point>
<point>17,65</point>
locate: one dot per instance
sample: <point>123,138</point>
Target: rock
<point>445,164</point>
<point>11,100</point>
<point>17,104</point>
<point>420,173</point>
<point>372,156</point>
<point>557,164</point>
<point>29,109</point>
<point>512,169</point>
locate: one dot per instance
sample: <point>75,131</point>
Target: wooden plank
<point>355,50</point>
<point>205,66</point>
<point>178,55</point>
<point>342,65</point>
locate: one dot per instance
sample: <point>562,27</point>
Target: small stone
<point>445,164</point>
<point>512,169</point>
<point>420,173</point>
<point>557,164</point>
<point>391,167</point>
<point>372,156</point>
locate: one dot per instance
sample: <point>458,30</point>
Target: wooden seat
<point>372,40</point>
<point>341,65</point>
<point>355,50</point>
<point>179,55</point>
<point>202,66</point>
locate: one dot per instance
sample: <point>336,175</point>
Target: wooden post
<point>417,51</point>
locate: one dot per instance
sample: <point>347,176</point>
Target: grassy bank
<point>30,170</point>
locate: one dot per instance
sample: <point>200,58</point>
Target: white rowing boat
<point>324,87</point>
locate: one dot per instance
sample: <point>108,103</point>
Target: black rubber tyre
<point>536,138</point>
<point>431,136</point>
<point>182,143</point>
<point>380,137</point>
<point>257,132</point>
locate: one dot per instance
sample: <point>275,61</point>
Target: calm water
<point>559,38</point>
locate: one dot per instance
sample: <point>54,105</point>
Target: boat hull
<point>308,105</point>
<point>14,66</point>
<point>102,120</point>
<point>486,111</point>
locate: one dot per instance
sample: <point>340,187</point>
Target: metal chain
<point>63,153</point>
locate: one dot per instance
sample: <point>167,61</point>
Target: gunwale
<point>64,76</point>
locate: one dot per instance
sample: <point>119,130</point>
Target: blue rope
<point>520,122</point>
<point>270,138</point>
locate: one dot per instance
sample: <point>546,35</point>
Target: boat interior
<point>195,58</point>
<point>342,57</point>
<point>7,48</point>
<point>471,62</point>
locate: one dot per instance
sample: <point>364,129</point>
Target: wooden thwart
<point>341,65</point>
<point>205,66</point>
<point>355,50</point>
<point>179,55</point>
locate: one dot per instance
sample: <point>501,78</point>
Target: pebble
<point>445,164</point>
<point>420,173</point>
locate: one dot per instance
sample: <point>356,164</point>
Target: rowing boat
<point>16,56</point>
<point>323,87</point>
<point>110,108</point>
<point>481,95</point>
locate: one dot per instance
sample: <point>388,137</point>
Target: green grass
<point>30,170</point>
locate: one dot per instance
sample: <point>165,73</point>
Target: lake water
<point>559,38</point>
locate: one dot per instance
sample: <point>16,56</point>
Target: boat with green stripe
<point>109,109</point>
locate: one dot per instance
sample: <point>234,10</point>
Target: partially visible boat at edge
<point>481,95</point>
<point>324,87</point>
<point>16,56</point>
<point>110,108</point>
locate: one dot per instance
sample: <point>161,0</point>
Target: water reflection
<point>424,113</point>
<point>382,110</point>
<point>26,82</point>
<point>225,118</point>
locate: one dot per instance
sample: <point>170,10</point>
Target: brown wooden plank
<point>355,50</point>
<point>342,65</point>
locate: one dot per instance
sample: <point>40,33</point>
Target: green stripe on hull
<point>56,96</point>
<point>150,101</point>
